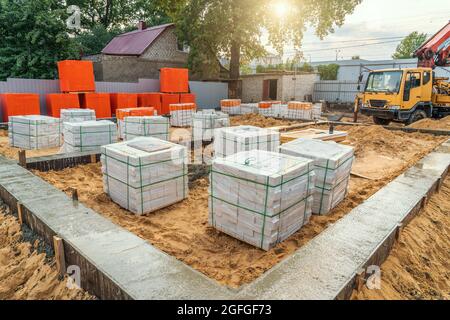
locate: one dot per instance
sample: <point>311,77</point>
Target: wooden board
<point>323,135</point>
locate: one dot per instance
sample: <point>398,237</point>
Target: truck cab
<point>403,95</point>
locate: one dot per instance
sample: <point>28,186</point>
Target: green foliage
<point>411,43</point>
<point>288,66</point>
<point>245,69</point>
<point>233,28</point>
<point>328,72</point>
<point>33,38</point>
<point>94,40</point>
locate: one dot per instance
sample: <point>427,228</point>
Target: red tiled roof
<point>134,43</point>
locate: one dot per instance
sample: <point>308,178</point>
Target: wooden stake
<point>424,202</point>
<point>60,258</point>
<point>360,280</point>
<point>93,158</point>
<point>22,158</point>
<point>398,232</point>
<point>20,212</point>
<point>74,194</point>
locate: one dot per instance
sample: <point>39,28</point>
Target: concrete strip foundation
<point>116,264</point>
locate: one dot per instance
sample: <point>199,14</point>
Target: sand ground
<point>182,229</point>
<point>24,272</point>
<point>419,264</point>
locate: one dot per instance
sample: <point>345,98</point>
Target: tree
<point>33,38</point>
<point>94,40</point>
<point>328,72</point>
<point>411,43</point>
<point>234,28</point>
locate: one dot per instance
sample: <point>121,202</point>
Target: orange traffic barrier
<point>123,100</point>
<point>134,112</point>
<point>166,100</point>
<point>182,106</point>
<point>230,103</point>
<point>99,102</point>
<point>296,105</point>
<point>57,101</point>
<point>150,99</point>
<point>76,76</point>
<point>19,104</point>
<point>187,98</point>
<point>267,104</point>
<point>174,80</point>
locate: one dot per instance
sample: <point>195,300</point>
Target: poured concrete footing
<point>116,264</point>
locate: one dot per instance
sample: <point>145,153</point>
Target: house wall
<point>252,87</point>
<point>164,48</point>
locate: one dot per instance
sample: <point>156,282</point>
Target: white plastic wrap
<point>205,122</point>
<point>34,132</point>
<point>88,135</point>
<point>76,115</point>
<point>156,127</point>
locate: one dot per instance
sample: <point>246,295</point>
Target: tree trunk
<point>235,60</point>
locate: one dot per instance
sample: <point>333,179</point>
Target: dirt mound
<point>25,273</point>
<point>258,120</point>
<point>443,124</point>
<point>12,153</point>
<point>418,266</point>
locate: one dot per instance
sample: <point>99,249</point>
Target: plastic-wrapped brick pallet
<point>270,108</point>
<point>155,126</point>
<point>332,165</point>
<point>181,114</point>
<point>145,174</point>
<point>88,135</point>
<point>303,111</point>
<point>260,197</point>
<point>205,122</point>
<point>247,108</point>
<point>34,132</point>
<point>231,106</point>
<point>228,141</point>
<point>76,115</point>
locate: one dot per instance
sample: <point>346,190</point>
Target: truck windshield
<point>388,81</point>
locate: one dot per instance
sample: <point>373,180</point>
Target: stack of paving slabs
<point>145,174</point>
<point>121,114</point>
<point>88,135</point>
<point>231,106</point>
<point>228,141</point>
<point>247,108</point>
<point>205,122</point>
<point>332,165</point>
<point>155,126</point>
<point>181,114</point>
<point>303,111</point>
<point>76,115</point>
<point>270,108</point>
<point>34,132</point>
<point>260,197</point>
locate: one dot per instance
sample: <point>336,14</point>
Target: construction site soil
<point>443,124</point>
<point>182,229</point>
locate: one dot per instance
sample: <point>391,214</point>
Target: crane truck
<point>409,95</point>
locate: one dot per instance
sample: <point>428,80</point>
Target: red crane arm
<point>436,50</point>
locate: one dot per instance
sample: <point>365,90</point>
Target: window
<point>181,46</point>
<point>388,81</point>
<point>416,83</point>
<point>426,77</point>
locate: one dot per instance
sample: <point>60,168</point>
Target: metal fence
<point>208,94</point>
<point>336,91</point>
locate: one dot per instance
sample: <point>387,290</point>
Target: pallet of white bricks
<point>205,122</point>
<point>228,141</point>
<point>153,126</point>
<point>270,108</point>
<point>123,113</point>
<point>181,114</point>
<point>260,197</point>
<point>76,115</point>
<point>88,135</point>
<point>332,166</point>
<point>145,174</point>
<point>303,111</point>
<point>231,106</point>
<point>247,108</point>
<point>34,132</point>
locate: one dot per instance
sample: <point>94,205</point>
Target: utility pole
<point>337,53</point>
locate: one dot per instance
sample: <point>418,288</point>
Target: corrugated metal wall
<point>336,91</point>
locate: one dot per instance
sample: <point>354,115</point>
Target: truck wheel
<point>381,121</point>
<point>416,116</point>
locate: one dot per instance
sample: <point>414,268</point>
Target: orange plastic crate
<point>187,98</point>
<point>76,76</point>
<point>150,99</point>
<point>99,102</point>
<point>134,112</point>
<point>166,100</point>
<point>57,101</point>
<point>19,104</point>
<point>173,80</point>
<point>182,106</point>
<point>230,103</point>
<point>123,100</point>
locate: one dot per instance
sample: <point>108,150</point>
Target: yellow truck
<point>404,95</point>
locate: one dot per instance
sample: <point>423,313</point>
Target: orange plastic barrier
<point>187,98</point>
<point>182,106</point>
<point>123,100</point>
<point>76,76</point>
<point>166,100</point>
<point>174,80</point>
<point>267,104</point>
<point>19,104</point>
<point>230,103</point>
<point>296,105</point>
<point>99,102</point>
<point>150,99</point>
<point>134,112</point>
<point>57,101</point>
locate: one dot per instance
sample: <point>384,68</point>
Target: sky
<point>389,20</point>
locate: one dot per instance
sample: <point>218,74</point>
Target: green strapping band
<point>323,191</point>
<point>265,212</point>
